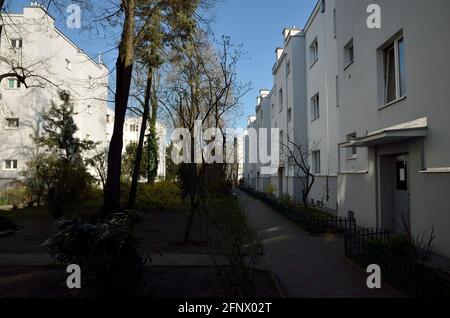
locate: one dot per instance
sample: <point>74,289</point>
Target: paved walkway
<point>306,266</point>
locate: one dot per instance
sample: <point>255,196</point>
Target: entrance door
<point>401,195</point>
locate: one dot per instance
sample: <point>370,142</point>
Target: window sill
<point>392,103</point>
<point>352,158</point>
<point>313,63</point>
<point>12,128</point>
<point>314,119</point>
<point>13,89</point>
<point>348,65</point>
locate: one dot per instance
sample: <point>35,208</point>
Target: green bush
<point>161,195</point>
<point>108,253</point>
<point>3,200</point>
<point>17,196</point>
<point>60,184</point>
<point>398,245</point>
<point>233,245</point>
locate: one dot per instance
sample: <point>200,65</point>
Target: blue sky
<point>256,24</point>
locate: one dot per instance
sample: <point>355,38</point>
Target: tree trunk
<point>140,146</point>
<point>193,190</point>
<point>190,222</point>
<point>124,73</point>
<point>152,171</point>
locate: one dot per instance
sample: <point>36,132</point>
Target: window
<point>108,118</point>
<point>313,52</point>
<point>289,115</point>
<point>315,111</point>
<point>68,64</point>
<point>89,109</point>
<point>349,53</point>
<point>12,122</point>
<point>281,137</point>
<point>273,110</point>
<point>288,68</point>
<point>10,165</point>
<point>280,99</point>
<point>16,43</point>
<point>316,161</point>
<point>394,71</point>
<point>334,23</point>
<point>352,151</point>
<point>402,175</point>
<point>13,83</point>
<point>337,91</point>
<point>134,128</point>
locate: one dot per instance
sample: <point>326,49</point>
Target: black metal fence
<point>369,246</point>
<point>327,224</point>
<point>312,224</point>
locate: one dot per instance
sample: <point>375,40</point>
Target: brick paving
<point>307,266</point>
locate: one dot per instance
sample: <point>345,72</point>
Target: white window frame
<point>15,41</point>
<point>314,52</point>
<point>316,164</point>
<point>134,128</point>
<point>349,59</point>
<point>68,64</point>
<point>352,152</point>
<point>280,99</point>
<point>17,84</point>
<point>8,120</point>
<point>11,162</point>
<point>315,107</point>
<point>337,91</point>
<point>398,95</point>
<point>334,23</point>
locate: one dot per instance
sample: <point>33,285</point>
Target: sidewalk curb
<point>278,285</point>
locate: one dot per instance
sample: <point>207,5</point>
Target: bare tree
<point>298,155</point>
<point>202,87</point>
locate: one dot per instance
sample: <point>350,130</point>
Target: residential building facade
<point>394,117</point>
<point>131,133</point>
<point>372,104</point>
<point>31,42</point>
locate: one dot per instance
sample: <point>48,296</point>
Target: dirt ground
<point>160,282</point>
<point>162,232</point>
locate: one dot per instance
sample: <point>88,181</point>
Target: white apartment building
<point>394,116</point>
<point>303,106</point>
<point>287,100</point>
<point>250,165</point>
<point>31,40</point>
<point>321,103</point>
<point>131,132</point>
<point>376,103</point>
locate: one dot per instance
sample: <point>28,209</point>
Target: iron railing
<point>312,224</point>
<point>370,246</point>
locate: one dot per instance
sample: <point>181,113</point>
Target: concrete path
<point>306,266</point>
